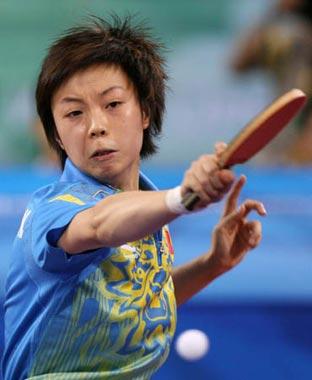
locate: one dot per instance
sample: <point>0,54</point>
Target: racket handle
<point>189,200</point>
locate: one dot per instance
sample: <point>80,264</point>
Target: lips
<point>102,153</point>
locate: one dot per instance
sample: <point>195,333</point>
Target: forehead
<point>93,78</point>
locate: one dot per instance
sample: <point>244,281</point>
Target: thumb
<point>220,147</point>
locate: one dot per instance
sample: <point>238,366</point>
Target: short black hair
<point>114,41</point>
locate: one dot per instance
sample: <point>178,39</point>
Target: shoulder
<point>72,192</point>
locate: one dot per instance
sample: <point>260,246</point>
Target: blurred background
<point>227,60</point>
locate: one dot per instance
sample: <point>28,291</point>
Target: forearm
<point>117,219</point>
<point>193,276</point>
<point>130,216</point>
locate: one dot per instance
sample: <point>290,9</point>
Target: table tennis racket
<point>257,133</point>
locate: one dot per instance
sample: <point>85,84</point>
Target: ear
<point>145,120</point>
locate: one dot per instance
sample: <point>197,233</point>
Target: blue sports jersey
<point>105,314</point>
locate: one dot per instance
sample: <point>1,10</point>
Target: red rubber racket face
<point>263,128</point>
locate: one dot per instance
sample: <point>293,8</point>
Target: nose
<point>97,126</point>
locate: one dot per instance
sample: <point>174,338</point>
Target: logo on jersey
<point>21,229</point>
<point>68,198</point>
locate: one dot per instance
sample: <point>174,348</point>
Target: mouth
<point>103,153</point>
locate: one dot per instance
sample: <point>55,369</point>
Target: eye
<point>113,104</point>
<point>73,114</point>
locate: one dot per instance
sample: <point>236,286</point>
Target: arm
<point>232,238</point>
<point>115,220</point>
<point>129,216</point>
<point>193,276</point>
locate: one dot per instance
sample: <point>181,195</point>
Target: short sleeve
<point>50,218</point>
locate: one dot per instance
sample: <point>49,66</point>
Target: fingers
<point>231,201</point>
<point>207,180</point>
<point>237,217</point>
<point>250,205</point>
<point>252,233</point>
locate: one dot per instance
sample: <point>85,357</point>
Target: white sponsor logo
<point>21,229</point>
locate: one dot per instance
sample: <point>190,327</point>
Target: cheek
<point>131,127</point>
<point>134,135</point>
<point>71,139</point>
<point>137,142</point>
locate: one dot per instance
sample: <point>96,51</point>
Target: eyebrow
<point>73,99</point>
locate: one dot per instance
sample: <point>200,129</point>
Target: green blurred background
<point>204,98</point>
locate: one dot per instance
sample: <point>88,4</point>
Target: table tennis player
<point>91,291</point>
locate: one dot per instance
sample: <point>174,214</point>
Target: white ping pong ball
<point>192,344</point>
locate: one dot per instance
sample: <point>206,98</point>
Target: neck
<point>129,183</point>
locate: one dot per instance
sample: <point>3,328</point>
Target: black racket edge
<point>189,200</point>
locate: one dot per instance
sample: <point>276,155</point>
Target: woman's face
<point>100,124</point>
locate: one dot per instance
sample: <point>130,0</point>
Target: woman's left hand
<point>235,235</point>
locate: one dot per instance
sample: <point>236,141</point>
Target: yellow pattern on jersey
<point>129,333</point>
